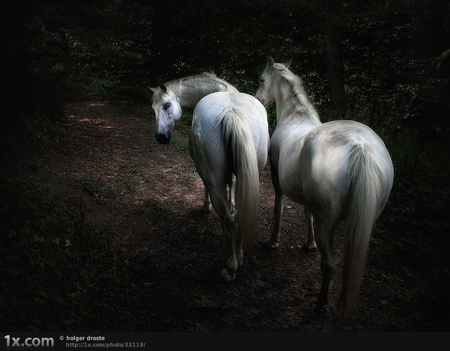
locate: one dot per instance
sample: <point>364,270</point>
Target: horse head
<point>167,111</point>
<point>265,93</point>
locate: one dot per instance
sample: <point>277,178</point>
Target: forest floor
<point>146,198</point>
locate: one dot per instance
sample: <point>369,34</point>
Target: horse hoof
<point>321,309</point>
<point>321,306</point>
<point>342,309</point>
<point>271,245</point>
<point>308,247</point>
<point>227,275</point>
<point>205,210</point>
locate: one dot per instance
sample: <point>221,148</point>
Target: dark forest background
<point>383,62</point>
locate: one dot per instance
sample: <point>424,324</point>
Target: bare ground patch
<point>146,199</point>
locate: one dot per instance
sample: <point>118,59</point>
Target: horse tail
<point>366,180</point>
<point>238,139</point>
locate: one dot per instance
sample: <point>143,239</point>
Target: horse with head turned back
<point>337,170</point>
<point>168,100</point>
<point>229,142</point>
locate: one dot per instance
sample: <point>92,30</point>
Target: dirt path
<point>147,198</point>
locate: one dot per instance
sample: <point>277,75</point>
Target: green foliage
<point>272,118</point>
<point>52,265</point>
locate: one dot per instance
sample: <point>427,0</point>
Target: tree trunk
<point>338,100</point>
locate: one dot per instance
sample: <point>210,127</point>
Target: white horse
<point>337,170</point>
<point>169,98</point>
<point>230,136</point>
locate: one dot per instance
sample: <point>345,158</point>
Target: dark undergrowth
<point>55,269</point>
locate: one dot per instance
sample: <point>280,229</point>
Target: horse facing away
<point>230,136</point>
<point>337,170</point>
<point>169,98</point>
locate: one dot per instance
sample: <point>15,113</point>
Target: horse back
<point>207,118</point>
<point>205,140</point>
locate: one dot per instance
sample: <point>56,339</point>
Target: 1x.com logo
<point>29,342</point>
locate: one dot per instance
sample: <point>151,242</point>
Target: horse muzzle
<point>162,138</point>
<point>261,100</point>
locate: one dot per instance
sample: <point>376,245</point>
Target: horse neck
<point>190,95</point>
<point>191,91</point>
<point>293,103</point>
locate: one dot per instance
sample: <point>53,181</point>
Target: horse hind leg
<point>206,202</point>
<point>239,248</point>
<point>228,227</point>
<point>324,239</point>
<point>272,243</point>
<point>310,243</point>
<point>222,206</point>
<point>233,193</point>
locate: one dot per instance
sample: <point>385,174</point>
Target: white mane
<point>190,90</point>
<point>301,102</point>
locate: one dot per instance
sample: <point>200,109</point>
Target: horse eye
<point>261,80</point>
<point>166,106</point>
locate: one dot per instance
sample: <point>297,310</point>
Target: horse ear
<point>270,62</point>
<point>288,64</point>
<point>163,87</point>
<point>152,89</point>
